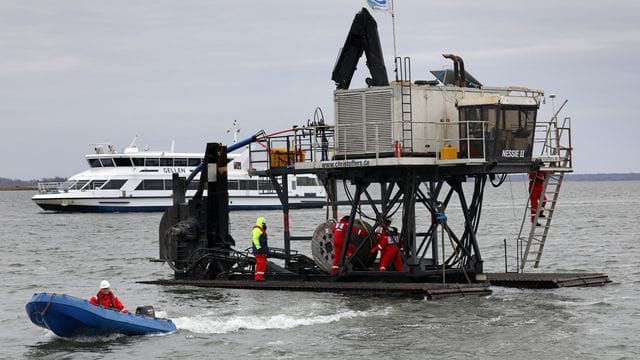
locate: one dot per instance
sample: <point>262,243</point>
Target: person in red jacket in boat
<point>106,298</point>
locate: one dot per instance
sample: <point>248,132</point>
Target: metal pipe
<point>455,67</point>
<point>462,79</point>
<point>505,256</point>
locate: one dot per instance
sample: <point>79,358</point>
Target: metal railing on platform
<point>452,142</point>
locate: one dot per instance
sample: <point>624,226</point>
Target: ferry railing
<point>55,187</point>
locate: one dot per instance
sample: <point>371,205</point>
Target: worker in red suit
<point>106,298</point>
<point>536,186</point>
<point>388,242</point>
<point>339,234</point>
<point>260,248</point>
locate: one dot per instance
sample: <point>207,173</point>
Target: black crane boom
<point>362,37</point>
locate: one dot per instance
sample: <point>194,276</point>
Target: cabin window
<point>168,184</point>
<point>508,132</point>
<point>95,184</point>
<point>138,161</point>
<point>94,162</point>
<point>306,181</point>
<point>107,162</point>
<point>114,184</point>
<point>233,185</point>
<point>194,162</point>
<point>122,161</point>
<point>150,185</point>
<point>151,162</point>
<point>248,184</point>
<point>79,185</point>
<point>166,162</point>
<point>180,162</point>
<point>519,121</point>
<point>265,186</point>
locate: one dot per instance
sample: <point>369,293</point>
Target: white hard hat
<point>104,284</point>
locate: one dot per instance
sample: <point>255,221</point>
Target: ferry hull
<point>94,205</point>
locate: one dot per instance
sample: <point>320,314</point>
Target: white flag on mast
<point>379,4</point>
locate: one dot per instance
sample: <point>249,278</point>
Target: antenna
<point>173,145</point>
<point>235,130</point>
<point>133,143</point>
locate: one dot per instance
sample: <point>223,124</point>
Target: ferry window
<point>151,162</point>
<point>138,161</point>
<point>306,181</point>
<point>193,185</point>
<point>107,162</point>
<point>194,162</point>
<point>114,184</point>
<point>248,184</point>
<point>95,184</point>
<point>150,185</point>
<point>168,184</point>
<point>265,185</point>
<point>94,162</point>
<point>122,161</point>
<point>233,185</point>
<point>166,161</point>
<point>180,162</point>
<point>80,184</point>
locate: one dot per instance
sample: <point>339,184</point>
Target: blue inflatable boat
<point>69,316</point>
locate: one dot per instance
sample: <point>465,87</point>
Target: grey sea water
<point>595,229</point>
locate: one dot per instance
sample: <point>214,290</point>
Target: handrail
<point>327,142</point>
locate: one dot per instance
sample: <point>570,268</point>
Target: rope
<point>47,306</point>
<point>513,205</point>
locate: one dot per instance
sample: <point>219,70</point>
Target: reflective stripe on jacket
<point>259,241</point>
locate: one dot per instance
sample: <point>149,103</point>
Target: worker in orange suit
<point>536,186</point>
<point>339,234</point>
<point>388,241</point>
<point>106,298</point>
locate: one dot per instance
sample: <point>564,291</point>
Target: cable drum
<point>322,246</point>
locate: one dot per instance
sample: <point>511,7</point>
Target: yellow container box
<point>448,152</point>
<point>280,157</point>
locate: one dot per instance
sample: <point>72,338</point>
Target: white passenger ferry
<point>135,180</point>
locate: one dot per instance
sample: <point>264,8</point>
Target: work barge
<point>398,150</point>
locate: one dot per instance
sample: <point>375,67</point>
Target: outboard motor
<point>146,310</point>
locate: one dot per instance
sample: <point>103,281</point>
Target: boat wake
<point>215,325</point>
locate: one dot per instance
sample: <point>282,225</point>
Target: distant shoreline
<point>18,187</point>
<point>32,185</point>
<point>604,177</point>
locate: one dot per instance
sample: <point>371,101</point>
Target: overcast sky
<point>79,72</point>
